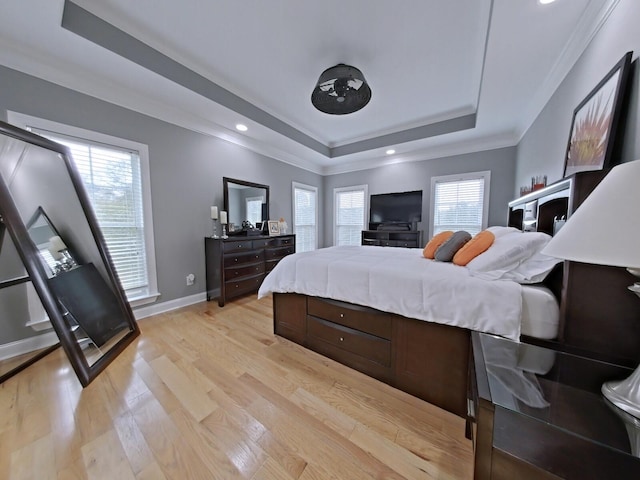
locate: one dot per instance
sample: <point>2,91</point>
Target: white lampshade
<point>605,229</point>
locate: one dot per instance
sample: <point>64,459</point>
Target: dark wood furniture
<point>599,317</point>
<point>425,359</point>
<point>236,266</point>
<point>393,238</point>
<point>578,435</point>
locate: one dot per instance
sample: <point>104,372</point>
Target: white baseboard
<point>20,347</point>
<point>162,307</point>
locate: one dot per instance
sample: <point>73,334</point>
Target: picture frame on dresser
<point>596,121</point>
<point>274,228</point>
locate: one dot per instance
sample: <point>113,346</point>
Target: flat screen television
<point>400,211</point>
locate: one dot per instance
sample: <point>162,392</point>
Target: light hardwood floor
<point>210,393</point>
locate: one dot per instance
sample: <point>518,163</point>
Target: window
<point>305,217</point>
<point>349,214</point>
<point>115,173</point>
<point>254,209</point>
<point>460,202</point>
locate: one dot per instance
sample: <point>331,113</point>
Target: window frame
<point>28,122</point>
<point>311,188</point>
<point>460,177</point>
<point>365,206</point>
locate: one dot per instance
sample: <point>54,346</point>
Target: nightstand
<point>539,414</point>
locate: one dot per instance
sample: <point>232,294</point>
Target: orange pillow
<point>474,247</point>
<point>437,240</point>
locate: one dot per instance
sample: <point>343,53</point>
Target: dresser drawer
<point>234,272</point>
<point>367,346</point>
<point>278,252</point>
<point>243,258</point>
<point>284,241</point>
<point>353,316</point>
<point>239,287</point>
<point>237,246</point>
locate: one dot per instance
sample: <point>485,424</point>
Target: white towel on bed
<point>402,281</point>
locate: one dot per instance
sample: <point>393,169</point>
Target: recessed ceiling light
<point>241,128</point>
<point>391,151</point>
<point>545,2</point>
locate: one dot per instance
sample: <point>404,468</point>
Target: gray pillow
<point>448,249</point>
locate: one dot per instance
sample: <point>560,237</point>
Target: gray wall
<point>186,171</point>
<point>402,177</point>
<point>542,149</point>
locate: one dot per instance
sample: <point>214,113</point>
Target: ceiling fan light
<point>340,90</point>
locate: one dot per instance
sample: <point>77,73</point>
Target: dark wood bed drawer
<point>356,317</point>
<point>367,346</point>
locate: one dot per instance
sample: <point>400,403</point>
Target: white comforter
<point>402,281</point>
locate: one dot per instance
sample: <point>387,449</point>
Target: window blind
<point>304,207</point>
<point>254,209</point>
<point>350,206</point>
<point>459,205</point>
<point>112,179</point>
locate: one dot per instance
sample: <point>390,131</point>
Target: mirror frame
<point>30,257</point>
<point>225,190</point>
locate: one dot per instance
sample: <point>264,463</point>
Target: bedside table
<point>539,414</point>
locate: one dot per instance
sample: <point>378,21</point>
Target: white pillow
<point>501,231</point>
<point>532,270</point>
<point>509,251</point>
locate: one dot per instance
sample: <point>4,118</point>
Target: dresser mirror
<point>63,256</point>
<point>245,202</point>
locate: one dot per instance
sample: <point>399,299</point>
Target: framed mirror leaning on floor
<point>59,245</point>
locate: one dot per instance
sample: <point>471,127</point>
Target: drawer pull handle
<point>239,245</point>
<point>235,259</point>
<point>257,256</point>
<point>342,315</point>
<point>341,339</point>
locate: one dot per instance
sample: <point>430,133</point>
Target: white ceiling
<point>426,61</point>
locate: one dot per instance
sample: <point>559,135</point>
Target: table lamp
<point>605,230</point>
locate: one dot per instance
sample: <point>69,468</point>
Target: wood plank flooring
<point>210,393</point>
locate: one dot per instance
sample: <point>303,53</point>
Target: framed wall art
<point>595,123</point>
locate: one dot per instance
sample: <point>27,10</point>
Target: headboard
<point>599,317</point>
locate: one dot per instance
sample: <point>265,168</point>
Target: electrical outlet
<point>190,279</point>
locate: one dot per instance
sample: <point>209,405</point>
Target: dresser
<point>237,265</point>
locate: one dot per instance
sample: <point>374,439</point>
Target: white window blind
<point>460,203</point>
<point>349,214</point>
<point>254,209</point>
<point>305,214</point>
<point>112,178</point>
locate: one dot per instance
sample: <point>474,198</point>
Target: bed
<point>406,320</point>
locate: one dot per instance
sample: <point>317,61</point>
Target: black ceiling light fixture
<point>340,90</point>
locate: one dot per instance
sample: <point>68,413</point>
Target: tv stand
<point>393,238</point>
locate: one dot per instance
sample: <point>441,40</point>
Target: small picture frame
<point>274,227</point>
<point>594,128</point>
